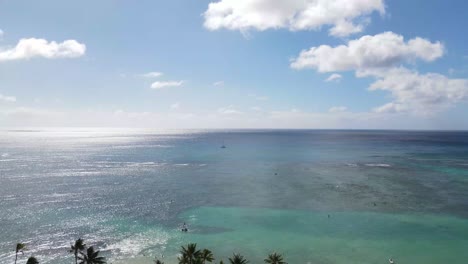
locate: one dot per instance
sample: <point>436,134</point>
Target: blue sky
<point>234,64</point>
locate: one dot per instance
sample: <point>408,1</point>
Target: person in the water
<point>184,228</point>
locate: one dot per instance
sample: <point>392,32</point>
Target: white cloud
<point>338,109</point>
<point>391,108</point>
<point>1,34</point>
<point>7,99</point>
<point>219,83</point>
<point>419,93</point>
<point>175,106</point>
<point>152,74</point>
<point>335,77</point>
<point>33,47</point>
<point>381,57</point>
<point>160,85</point>
<point>294,15</point>
<point>344,28</point>
<point>368,52</point>
<point>230,110</point>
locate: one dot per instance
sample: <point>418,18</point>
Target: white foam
<point>8,159</point>
<point>142,146</point>
<point>145,164</point>
<point>378,165</point>
<point>132,246</point>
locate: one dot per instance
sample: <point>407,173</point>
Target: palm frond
<point>20,247</point>
<point>238,259</point>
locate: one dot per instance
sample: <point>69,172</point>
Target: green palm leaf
<point>275,258</point>
<point>77,248</point>
<point>238,259</point>
<point>206,256</point>
<point>91,257</point>
<point>189,254</point>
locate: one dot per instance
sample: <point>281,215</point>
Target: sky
<point>325,64</point>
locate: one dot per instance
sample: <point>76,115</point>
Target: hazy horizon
<point>219,129</point>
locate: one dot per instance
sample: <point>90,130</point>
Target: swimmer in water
<point>391,261</point>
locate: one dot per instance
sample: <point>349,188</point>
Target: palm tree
<point>206,256</point>
<point>238,259</point>
<point>32,260</point>
<point>189,254</point>
<point>91,257</point>
<point>198,260</point>
<point>77,248</point>
<point>20,247</point>
<point>275,258</point>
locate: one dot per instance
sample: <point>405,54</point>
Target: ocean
<point>315,196</point>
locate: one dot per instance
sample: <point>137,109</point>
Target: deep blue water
<point>128,191</point>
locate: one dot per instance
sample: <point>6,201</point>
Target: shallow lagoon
<point>344,237</point>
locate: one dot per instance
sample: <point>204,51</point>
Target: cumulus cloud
<point>344,28</point>
<point>368,52</point>
<point>335,77</point>
<point>381,57</point>
<point>33,47</point>
<point>7,99</point>
<point>152,74</point>
<point>160,85</point>
<point>419,93</point>
<point>337,109</point>
<point>243,15</point>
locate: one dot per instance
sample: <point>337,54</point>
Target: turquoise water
<point>315,237</point>
<point>315,196</point>
<point>344,237</point>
